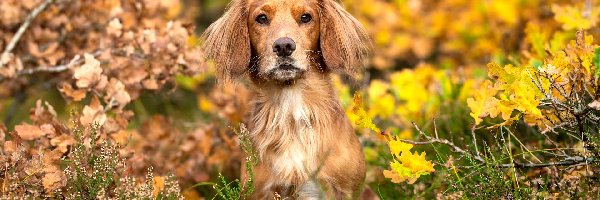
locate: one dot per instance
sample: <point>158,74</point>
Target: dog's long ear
<point>227,41</point>
<point>344,41</point>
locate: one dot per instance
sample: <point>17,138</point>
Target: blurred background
<point>147,86</point>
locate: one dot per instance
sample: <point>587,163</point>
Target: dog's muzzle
<point>285,72</point>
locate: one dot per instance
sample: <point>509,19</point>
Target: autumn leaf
<point>363,119</point>
<point>52,181</point>
<point>406,166</point>
<point>93,113</point>
<point>68,91</point>
<point>115,91</point>
<point>62,142</point>
<point>397,147</point>
<point>158,184</point>
<point>29,132</point>
<point>595,105</point>
<point>572,17</point>
<point>482,102</point>
<point>115,28</point>
<point>89,73</point>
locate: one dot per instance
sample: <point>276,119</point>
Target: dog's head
<point>281,40</point>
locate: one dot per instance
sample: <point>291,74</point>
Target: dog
<point>306,146</point>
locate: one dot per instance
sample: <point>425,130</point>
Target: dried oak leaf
<point>90,73</point>
<point>595,105</point>
<point>10,65</point>
<point>116,91</point>
<point>29,132</point>
<point>48,129</point>
<point>122,137</point>
<point>93,113</point>
<point>62,142</point>
<point>68,91</point>
<point>53,181</point>
<point>115,28</point>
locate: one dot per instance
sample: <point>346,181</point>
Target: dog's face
<point>284,38</point>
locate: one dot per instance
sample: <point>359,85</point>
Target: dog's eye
<point>305,18</point>
<point>262,19</point>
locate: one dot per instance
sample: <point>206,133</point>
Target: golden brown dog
<point>306,146</point>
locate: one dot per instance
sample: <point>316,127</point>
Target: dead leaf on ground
<point>29,132</point>
<point>62,142</point>
<point>595,105</point>
<point>53,181</point>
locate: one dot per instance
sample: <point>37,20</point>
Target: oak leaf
<point>29,132</point>
<point>89,73</point>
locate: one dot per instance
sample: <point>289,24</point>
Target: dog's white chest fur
<point>289,130</point>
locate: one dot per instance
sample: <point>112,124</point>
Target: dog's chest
<point>286,139</point>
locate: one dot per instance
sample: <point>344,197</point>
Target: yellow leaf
<point>362,119</point>
<point>158,184</point>
<point>397,147</point>
<point>483,102</point>
<point>406,166</point>
<point>571,17</point>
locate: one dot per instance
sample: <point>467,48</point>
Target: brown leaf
<point>116,91</point>
<point>68,91</point>
<point>93,113</point>
<point>595,105</point>
<point>121,137</point>
<point>150,84</point>
<point>89,73</point>
<point>29,132</point>
<point>115,28</point>
<point>48,129</point>
<point>62,142</point>
<point>52,181</point>
<point>10,146</point>
<point>51,158</point>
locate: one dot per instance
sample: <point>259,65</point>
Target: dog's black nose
<point>284,46</point>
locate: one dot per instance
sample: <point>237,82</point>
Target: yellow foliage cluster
<point>527,88</point>
<point>406,166</point>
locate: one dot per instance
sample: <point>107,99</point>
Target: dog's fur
<point>304,140</point>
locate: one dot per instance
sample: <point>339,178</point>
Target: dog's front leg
<point>310,191</point>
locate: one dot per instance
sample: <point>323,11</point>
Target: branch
<point>13,42</point>
<point>55,69</point>
<point>566,162</point>
<point>431,140</point>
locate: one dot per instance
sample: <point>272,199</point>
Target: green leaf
<point>597,62</point>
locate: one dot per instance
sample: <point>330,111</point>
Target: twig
<point>551,129</point>
<point>475,139</point>
<point>441,141</point>
<point>55,69</point>
<point>566,162</point>
<point>13,42</point>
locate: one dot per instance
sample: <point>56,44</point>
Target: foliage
<point>406,165</point>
